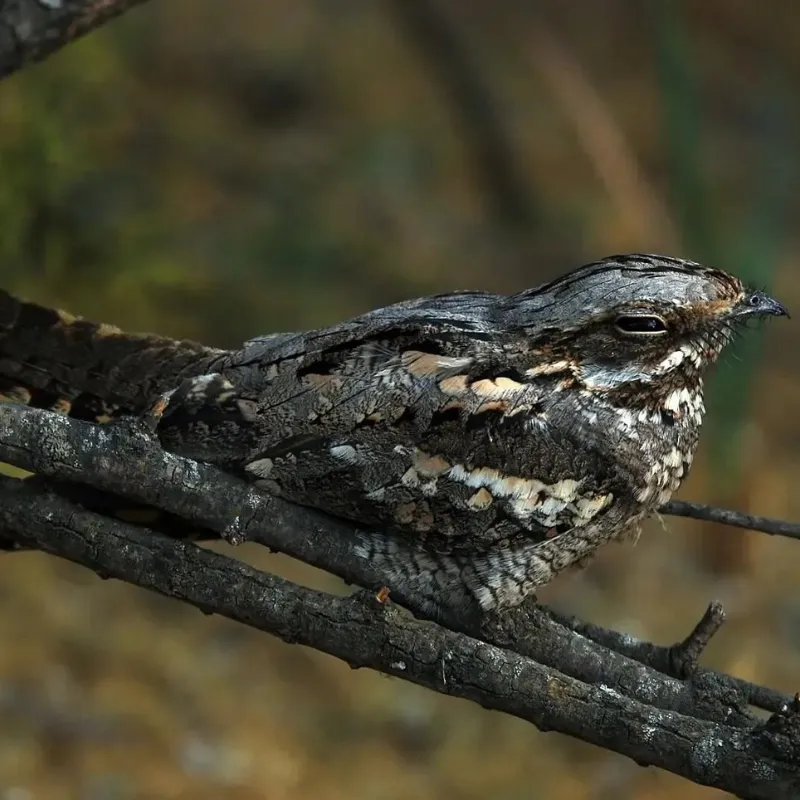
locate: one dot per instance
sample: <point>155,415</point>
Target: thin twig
<point>677,508</point>
<point>685,655</point>
<point>736,519</point>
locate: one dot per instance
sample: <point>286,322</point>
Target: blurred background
<point>221,170</point>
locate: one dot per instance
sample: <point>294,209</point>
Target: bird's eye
<point>640,324</point>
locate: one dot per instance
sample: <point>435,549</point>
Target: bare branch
<point>31,30</point>
<point>758,761</point>
<point>660,658</point>
<point>736,519</point>
<point>106,456</point>
<point>685,655</point>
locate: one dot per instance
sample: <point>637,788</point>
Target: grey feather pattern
<point>487,442</point>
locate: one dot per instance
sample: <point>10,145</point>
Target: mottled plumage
<point>487,441</point>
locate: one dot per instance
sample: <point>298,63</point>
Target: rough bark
<point>528,663</point>
<point>31,30</point>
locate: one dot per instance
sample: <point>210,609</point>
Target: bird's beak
<point>762,304</point>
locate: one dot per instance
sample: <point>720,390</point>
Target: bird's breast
<point>657,442</point>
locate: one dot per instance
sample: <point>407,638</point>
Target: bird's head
<point>640,322</point>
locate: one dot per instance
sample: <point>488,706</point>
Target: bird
<point>482,443</point>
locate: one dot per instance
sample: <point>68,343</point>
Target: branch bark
<point>31,30</point>
<point>736,519</point>
<point>528,663</point>
<point>105,457</point>
<point>756,761</point>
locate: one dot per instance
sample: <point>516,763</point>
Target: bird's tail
<point>51,359</point>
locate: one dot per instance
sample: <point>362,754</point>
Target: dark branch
<point>757,761</point>
<point>31,30</point>
<point>685,655</point>
<point>106,456</point>
<point>736,519</point>
<point>660,658</point>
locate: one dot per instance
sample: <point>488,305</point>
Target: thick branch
<point>759,762</point>
<point>660,659</point>
<point>107,456</point>
<point>31,30</point>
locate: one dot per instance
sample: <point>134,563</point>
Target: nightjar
<point>482,442</point>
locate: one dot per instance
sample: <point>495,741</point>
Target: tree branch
<point>736,519</point>
<point>106,457</point>
<point>757,761</point>
<point>31,30</point>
